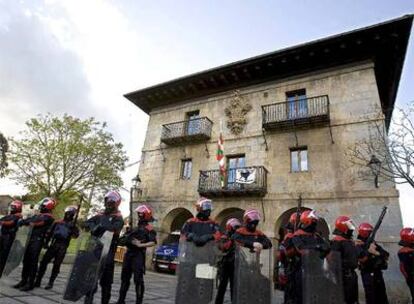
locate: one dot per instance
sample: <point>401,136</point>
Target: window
<point>234,163</point>
<point>299,159</point>
<point>193,125</point>
<point>186,166</point>
<point>297,104</point>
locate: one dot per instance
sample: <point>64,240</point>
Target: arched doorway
<point>322,228</point>
<point>228,213</point>
<point>175,220</point>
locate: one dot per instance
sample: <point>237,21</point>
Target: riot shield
<point>252,277</point>
<point>90,257</point>
<point>17,252</point>
<point>322,278</point>
<point>197,273</point>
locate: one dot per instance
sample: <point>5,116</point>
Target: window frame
<point>183,168</point>
<point>299,159</point>
<point>296,104</point>
<point>231,176</point>
<point>192,124</point>
<point>190,114</point>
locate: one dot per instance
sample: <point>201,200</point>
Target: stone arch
<point>283,219</point>
<point>175,219</point>
<point>225,214</point>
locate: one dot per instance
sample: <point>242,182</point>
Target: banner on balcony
<point>245,176</point>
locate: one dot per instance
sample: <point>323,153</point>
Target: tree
<point>59,156</point>
<point>394,149</point>
<point>4,147</point>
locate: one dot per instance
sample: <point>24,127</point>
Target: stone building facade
<point>287,119</point>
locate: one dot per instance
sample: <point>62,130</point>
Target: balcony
<point>302,113</point>
<point>188,131</point>
<point>246,181</point>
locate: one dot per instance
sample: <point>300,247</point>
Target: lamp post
<point>135,191</point>
<point>375,166</point>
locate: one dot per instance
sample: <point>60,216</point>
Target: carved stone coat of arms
<point>236,113</point>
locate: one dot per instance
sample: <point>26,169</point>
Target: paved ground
<point>160,289</point>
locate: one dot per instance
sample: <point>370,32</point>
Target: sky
<point>80,56</point>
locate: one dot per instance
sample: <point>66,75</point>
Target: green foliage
<point>63,156</point>
<point>4,147</point>
<point>68,198</point>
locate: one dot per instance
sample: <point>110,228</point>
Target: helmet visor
<point>252,215</point>
<point>206,205</point>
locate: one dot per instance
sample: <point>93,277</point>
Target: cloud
<point>37,74</point>
<point>55,58</point>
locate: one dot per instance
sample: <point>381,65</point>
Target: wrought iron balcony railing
<point>188,131</point>
<point>238,182</point>
<point>296,113</point>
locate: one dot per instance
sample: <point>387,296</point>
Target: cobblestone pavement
<point>160,289</point>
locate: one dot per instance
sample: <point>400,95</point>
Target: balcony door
<point>234,163</point>
<point>297,104</point>
<point>193,122</point>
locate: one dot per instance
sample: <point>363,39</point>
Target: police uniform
<point>200,231</point>
<point>134,260</point>
<point>41,223</point>
<point>371,267</point>
<point>226,272</point>
<point>246,238</point>
<point>60,235</point>
<point>98,225</point>
<point>299,244</point>
<point>349,259</point>
<point>9,227</point>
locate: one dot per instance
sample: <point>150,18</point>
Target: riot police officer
<point>59,237</point>
<point>305,238</point>
<point>226,265</point>
<point>201,229</point>
<point>406,257</point>
<point>343,243</point>
<point>372,261</point>
<point>109,220</point>
<point>9,227</point>
<point>40,223</point>
<point>248,235</point>
<point>284,274</point>
<point>137,241</point>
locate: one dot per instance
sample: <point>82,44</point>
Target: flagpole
<point>220,155</point>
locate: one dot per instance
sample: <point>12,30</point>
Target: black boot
<point>49,285</point>
<point>39,277</point>
<point>89,296</point>
<point>123,292</point>
<point>27,287</point>
<point>38,282</point>
<point>106,296</point>
<point>139,290</point>
<point>88,299</point>
<point>20,284</point>
<point>52,279</point>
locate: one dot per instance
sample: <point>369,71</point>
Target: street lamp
<point>375,166</point>
<point>135,192</point>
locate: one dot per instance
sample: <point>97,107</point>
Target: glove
<point>202,240</point>
<point>206,237</point>
<point>190,237</point>
<point>199,243</point>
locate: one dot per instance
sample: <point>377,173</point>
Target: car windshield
<point>171,239</point>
